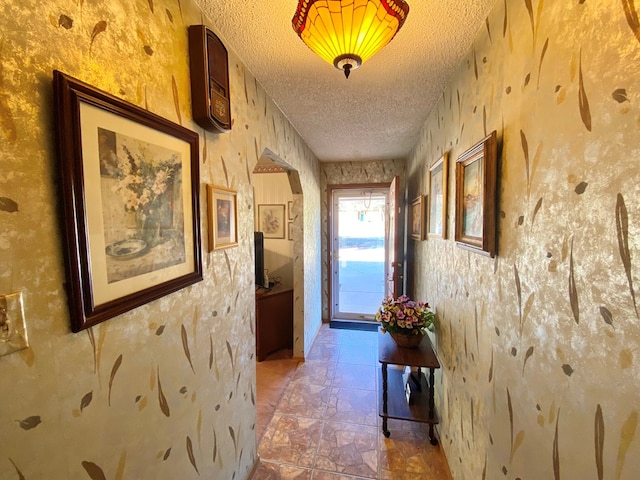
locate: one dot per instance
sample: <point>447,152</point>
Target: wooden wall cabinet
<point>274,321</point>
<point>209,64</point>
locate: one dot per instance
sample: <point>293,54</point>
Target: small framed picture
<point>222,215</point>
<point>271,220</point>
<point>437,210</point>
<point>476,178</point>
<point>290,210</point>
<point>290,230</point>
<point>417,218</point>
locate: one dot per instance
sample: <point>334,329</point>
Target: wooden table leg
<point>432,406</point>
<point>385,430</point>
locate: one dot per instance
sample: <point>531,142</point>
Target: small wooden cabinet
<point>210,96</point>
<point>274,320</point>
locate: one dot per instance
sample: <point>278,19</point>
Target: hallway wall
<point>167,390</point>
<point>540,346</point>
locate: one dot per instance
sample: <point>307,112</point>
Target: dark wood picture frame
<point>437,206</point>
<point>476,197</point>
<point>222,216</point>
<point>417,218</point>
<point>130,200</point>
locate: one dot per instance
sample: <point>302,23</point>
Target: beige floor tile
<point>353,406</point>
<point>272,377</point>
<point>314,372</point>
<point>291,439</point>
<point>308,401</point>
<point>362,377</point>
<point>320,475</point>
<point>354,354</point>
<point>348,449</point>
<point>409,454</point>
<point>359,337</point>
<point>326,352</point>
<point>326,424</point>
<point>275,471</point>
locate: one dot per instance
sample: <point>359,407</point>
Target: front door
<point>359,252</point>
<point>394,267</point>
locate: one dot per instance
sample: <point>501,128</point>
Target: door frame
<point>329,242</point>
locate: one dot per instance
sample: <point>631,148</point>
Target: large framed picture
<point>437,210</point>
<point>476,197</point>
<point>130,194</point>
<point>417,218</point>
<point>271,220</point>
<point>222,217</point>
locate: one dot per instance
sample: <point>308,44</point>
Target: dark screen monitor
<point>259,256</point>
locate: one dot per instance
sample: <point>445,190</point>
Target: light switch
<point>13,330</point>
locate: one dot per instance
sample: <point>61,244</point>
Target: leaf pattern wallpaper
<point>165,391</point>
<point>540,346</point>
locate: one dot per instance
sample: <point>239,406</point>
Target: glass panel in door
<point>359,253</point>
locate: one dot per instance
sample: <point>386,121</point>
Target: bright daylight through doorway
<point>359,253</point>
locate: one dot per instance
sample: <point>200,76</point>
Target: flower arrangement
<point>145,186</point>
<point>142,183</point>
<point>405,316</point>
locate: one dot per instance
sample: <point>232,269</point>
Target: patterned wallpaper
<point>165,391</point>
<point>539,346</point>
<point>345,173</point>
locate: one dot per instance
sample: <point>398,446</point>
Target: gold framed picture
<point>417,218</point>
<point>222,216</point>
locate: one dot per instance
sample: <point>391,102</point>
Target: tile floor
<point>318,419</point>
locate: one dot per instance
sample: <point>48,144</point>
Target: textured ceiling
<point>377,113</point>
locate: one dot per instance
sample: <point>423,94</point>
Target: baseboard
<point>354,325</point>
<point>254,469</point>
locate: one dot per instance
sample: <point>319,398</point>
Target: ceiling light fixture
<point>347,32</point>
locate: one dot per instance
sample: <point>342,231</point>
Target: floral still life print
<point>143,219</point>
<point>272,220</point>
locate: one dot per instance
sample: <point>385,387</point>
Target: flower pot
<point>406,340</point>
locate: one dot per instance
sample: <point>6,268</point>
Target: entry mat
<point>354,325</point>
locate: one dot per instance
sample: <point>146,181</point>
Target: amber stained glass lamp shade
<point>348,32</point>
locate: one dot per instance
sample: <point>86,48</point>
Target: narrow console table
<point>393,401</point>
<point>274,320</point>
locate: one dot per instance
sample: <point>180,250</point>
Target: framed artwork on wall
<point>290,230</point>
<point>290,210</point>
<point>130,195</point>
<point>476,197</point>
<point>222,216</point>
<point>437,210</point>
<point>271,220</point>
<point>417,218</point>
